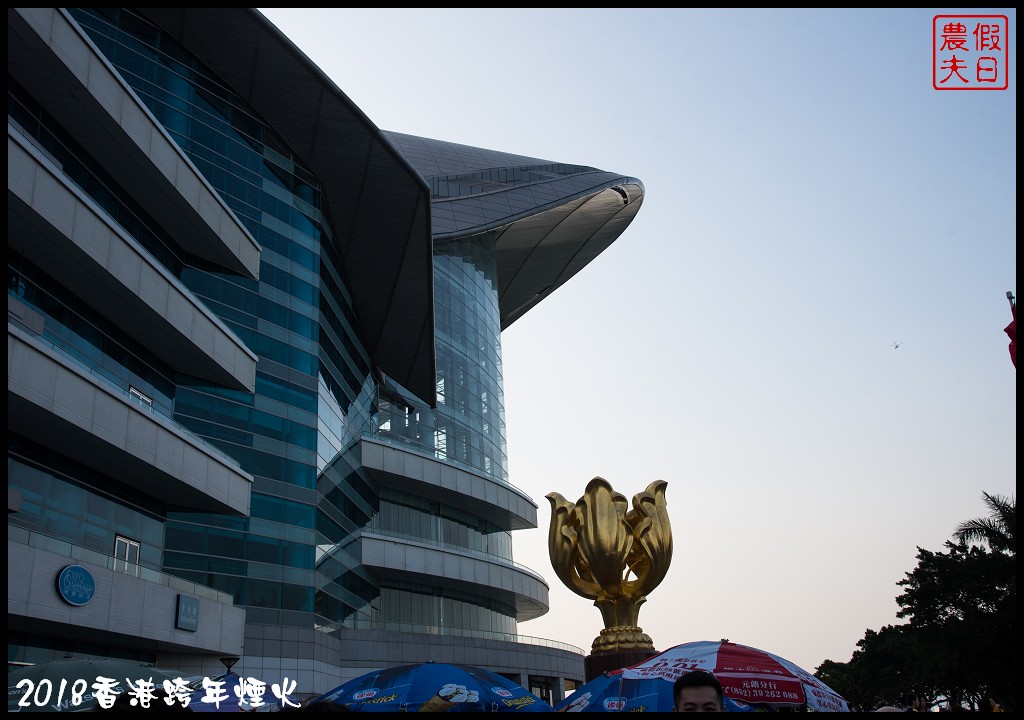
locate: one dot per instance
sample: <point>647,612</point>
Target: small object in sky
<point>896,345</point>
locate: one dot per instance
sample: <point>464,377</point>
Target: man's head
<point>698,691</point>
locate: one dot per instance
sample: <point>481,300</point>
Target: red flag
<point>1011,330</point>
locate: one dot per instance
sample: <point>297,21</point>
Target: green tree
<point>960,619</point>
<point>998,530</point>
<point>839,677</point>
<point>959,640</point>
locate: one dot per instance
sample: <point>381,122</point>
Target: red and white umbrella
<point>747,674</point>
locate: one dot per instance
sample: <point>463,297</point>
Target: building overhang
<point>59,228</point>
<point>540,253</point>
<point>70,409</point>
<point>404,469</point>
<point>49,54</point>
<point>377,205</point>
<point>550,219</point>
<point>405,559</point>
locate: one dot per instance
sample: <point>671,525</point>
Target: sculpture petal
<point>652,532</point>
<point>562,537</point>
<point>604,538</point>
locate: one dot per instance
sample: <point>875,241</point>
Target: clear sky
<point>810,202</point>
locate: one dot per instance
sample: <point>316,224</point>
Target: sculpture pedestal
<point>598,662</point>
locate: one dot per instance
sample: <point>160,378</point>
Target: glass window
<point>188,538</point>
<point>126,555</point>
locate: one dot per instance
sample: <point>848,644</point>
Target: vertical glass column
<point>468,426</point>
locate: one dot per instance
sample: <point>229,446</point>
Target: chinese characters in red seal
<point>970,52</point>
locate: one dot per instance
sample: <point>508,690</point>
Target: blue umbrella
<point>611,692</point>
<point>433,687</point>
<point>225,686</point>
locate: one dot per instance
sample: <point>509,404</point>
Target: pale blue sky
<point>810,200</point>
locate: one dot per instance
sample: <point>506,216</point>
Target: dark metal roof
<point>388,194</point>
<point>551,219</point>
<point>376,203</point>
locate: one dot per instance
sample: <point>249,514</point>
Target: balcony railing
<point>407,628</point>
<point>391,438</point>
<point>478,554</point>
<point>114,385</point>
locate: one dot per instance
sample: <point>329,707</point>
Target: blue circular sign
<point>76,585</point>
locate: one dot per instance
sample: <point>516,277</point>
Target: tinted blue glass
<point>70,502</point>
<point>413,517</point>
<point>81,333</point>
<point>315,394</point>
<point>277,317</point>
<point>78,165</point>
<point>468,426</point>
<point>403,602</point>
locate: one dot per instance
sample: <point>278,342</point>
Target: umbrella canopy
<point>74,685</point>
<point>433,687</point>
<point>610,692</point>
<point>747,674</point>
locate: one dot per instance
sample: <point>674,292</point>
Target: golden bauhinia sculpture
<point>612,555</point>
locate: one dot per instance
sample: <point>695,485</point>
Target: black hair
<point>697,678</point>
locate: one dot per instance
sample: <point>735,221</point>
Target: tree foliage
<point>998,530</point>
<point>959,639</point>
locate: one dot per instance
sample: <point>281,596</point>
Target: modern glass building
<point>254,359</point>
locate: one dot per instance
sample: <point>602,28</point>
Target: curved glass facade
<point>296,559</point>
<point>415,518</point>
<point>311,384</point>
<point>417,604</point>
<point>468,426</point>
<point>255,356</point>
<point>471,402</point>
